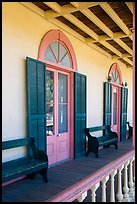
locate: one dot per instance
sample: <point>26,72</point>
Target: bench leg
<point>116,145</point>
<point>43,173</point>
<point>87,153</point>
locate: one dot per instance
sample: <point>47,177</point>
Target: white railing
<point>123,167</point>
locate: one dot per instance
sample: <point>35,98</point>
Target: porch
<point>63,176</point>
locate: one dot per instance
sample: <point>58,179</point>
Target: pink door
<point>115,119</point>
<point>58,115</point>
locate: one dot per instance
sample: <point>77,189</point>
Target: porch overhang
<point>104,26</point>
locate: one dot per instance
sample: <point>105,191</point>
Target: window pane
<point>115,109</point>
<point>62,118</point>
<point>49,55</point>
<point>65,61</point>
<point>63,51</point>
<point>50,102</point>
<point>62,103</point>
<point>62,88</point>
<point>54,46</point>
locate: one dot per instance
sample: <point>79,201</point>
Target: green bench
<point>23,166</point>
<point>108,138</point>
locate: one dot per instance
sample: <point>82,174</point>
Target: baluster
<point>104,188</point>
<point>82,197</point>
<point>93,190</point>
<point>131,183</point>
<point>119,194</point>
<point>125,188</point>
<point>112,190</point>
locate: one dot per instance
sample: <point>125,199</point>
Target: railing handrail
<point>74,191</point>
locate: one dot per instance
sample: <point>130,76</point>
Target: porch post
<point>133,30</point>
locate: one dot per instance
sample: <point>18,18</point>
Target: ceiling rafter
<point>83,7</point>
<point>81,25</point>
<point>53,5</point>
<point>68,9</point>
<point>130,6</point>
<point>107,8</point>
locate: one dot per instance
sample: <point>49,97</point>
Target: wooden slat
<point>14,143</point>
<point>97,22</point>
<point>107,8</point>
<point>68,9</point>
<point>130,6</point>
<point>55,6</point>
<point>81,25</point>
<point>97,128</point>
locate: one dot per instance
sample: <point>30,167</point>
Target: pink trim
<point>57,35</point>
<point>112,68</point>
<point>74,191</point>
<point>118,110</point>
<point>133,139</point>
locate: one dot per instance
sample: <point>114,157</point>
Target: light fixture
<point>125,83</point>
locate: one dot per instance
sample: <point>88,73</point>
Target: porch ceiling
<point>105,26</point>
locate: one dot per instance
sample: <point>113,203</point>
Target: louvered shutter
<point>79,114</point>
<point>107,104</point>
<point>36,91</point>
<point>123,116</point>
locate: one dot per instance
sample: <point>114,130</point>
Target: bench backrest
<point>15,143</point>
<point>99,128</point>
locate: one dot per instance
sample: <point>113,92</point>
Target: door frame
<point>71,102</point>
<point>118,87</point>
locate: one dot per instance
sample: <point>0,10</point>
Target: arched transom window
<point>57,53</point>
<point>56,49</point>
<point>115,74</point>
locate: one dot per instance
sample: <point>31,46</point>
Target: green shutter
<point>79,114</point>
<point>123,116</point>
<point>36,90</point>
<point>107,104</point>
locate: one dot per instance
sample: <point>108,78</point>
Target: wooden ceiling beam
<point>116,35</point>
<point>107,8</point>
<point>110,47</point>
<point>100,50</point>
<point>53,5</point>
<point>69,8</point>
<point>81,25</point>
<point>67,29</point>
<point>84,5</point>
<point>123,45</point>
<point>130,6</point>
<point>90,15</point>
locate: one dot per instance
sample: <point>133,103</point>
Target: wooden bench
<point>109,137</point>
<point>28,165</point>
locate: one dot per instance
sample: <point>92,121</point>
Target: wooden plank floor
<point>61,176</point>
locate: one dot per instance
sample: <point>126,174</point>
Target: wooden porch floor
<point>61,176</point>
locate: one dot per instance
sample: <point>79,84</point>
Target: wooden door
<point>58,115</point>
<point>115,119</point>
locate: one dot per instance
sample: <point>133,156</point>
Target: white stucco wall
<point>22,31</point>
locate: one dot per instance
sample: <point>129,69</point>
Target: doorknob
<point>58,135</point>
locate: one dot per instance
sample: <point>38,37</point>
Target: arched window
<point>58,53</point>
<point>56,49</point>
<point>114,74</point>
